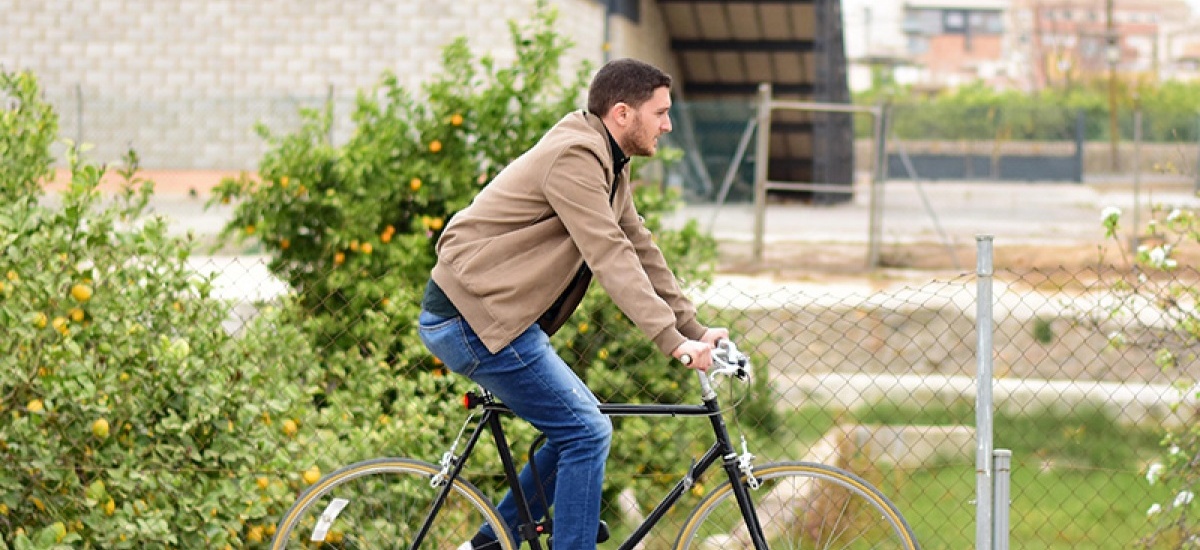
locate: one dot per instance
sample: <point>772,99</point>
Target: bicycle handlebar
<point>727,361</point>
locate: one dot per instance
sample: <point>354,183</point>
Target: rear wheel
<point>383,503</point>
<point>800,505</point>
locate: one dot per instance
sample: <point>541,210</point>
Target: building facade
<point>185,81</point>
<point>1064,41</point>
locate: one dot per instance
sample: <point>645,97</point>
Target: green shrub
<point>132,417</point>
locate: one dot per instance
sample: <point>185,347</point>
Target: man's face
<point>647,123</point>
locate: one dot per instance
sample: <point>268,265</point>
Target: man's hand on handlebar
<point>714,335</point>
<point>697,354</point>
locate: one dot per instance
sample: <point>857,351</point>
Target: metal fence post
<point>983,393</point>
<point>875,219</point>
<point>1000,498</point>
<point>78,114</point>
<point>1137,174</point>
<point>1196,183</point>
<point>761,159</point>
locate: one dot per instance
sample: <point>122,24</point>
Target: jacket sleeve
<point>577,189</point>
<point>665,283</point>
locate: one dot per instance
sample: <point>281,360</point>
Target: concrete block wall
<point>184,81</point>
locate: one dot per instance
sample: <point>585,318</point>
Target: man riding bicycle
<point>514,265</point>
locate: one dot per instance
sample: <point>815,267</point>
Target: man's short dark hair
<point>626,81</point>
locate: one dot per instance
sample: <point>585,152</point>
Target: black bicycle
<point>409,503</point>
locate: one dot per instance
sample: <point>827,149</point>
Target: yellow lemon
<point>262,482</point>
<point>367,248</point>
<point>35,406</point>
<point>435,146</point>
<point>311,475</point>
<point>76,314</point>
<point>110,507</point>
<point>255,534</point>
<point>60,324</point>
<point>100,428</point>
<point>81,292</point>
<point>456,120</point>
<point>339,258</point>
<point>415,183</point>
<point>290,428</point>
<point>39,320</point>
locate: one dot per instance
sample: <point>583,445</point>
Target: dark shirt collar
<point>620,159</point>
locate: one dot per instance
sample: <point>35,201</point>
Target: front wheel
<point>384,503</point>
<point>800,505</point>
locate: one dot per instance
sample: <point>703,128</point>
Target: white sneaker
<point>466,546</point>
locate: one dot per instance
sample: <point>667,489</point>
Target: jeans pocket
<point>449,338</point>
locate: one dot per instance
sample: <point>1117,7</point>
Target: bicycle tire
<point>800,505</point>
<point>380,503</point>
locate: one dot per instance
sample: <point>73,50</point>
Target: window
<point>954,22</point>
<point>917,46</point>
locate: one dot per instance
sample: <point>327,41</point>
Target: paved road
<point>933,213</point>
<point>1058,213</point>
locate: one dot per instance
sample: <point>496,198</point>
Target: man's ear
<point>621,112</point>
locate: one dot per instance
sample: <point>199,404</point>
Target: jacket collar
<point>619,159</point>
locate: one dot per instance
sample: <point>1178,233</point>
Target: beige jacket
<point>505,258</point>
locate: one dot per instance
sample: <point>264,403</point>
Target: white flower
<point>1158,255</point>
<point>1153,472</point>
<point>1183,498</point>
<point>1154,509</point>
<point>1174,215</point>
<point>1110,212</point>
<point>1174,450</point>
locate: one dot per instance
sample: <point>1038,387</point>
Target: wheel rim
<point>382,505</point>
<point>801,507</point>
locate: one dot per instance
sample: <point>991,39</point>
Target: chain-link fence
<point>1082,396</point>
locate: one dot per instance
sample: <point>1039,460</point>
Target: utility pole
<point>1113,52</point>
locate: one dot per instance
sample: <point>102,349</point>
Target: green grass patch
<point>1051,508</point>
<point>1077,477</point>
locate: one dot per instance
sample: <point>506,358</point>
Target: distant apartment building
<point>1065,41</point>
<point>953,42</point>
<point>1019,44</point>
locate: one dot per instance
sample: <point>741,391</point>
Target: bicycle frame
<point>721,449</point>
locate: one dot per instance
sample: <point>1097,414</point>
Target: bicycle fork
<point>736,466</point>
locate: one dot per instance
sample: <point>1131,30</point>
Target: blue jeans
<point>529,377</point>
